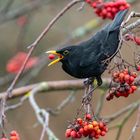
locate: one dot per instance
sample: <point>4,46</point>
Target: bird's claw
<point>88,81</point>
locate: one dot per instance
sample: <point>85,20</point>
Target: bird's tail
<point>118,19</point>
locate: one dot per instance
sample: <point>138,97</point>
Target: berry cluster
<point>107,9</point>
<point>13,136</point>
<point>126,86</point>
<point>86,127</point>
<point>15,63</point>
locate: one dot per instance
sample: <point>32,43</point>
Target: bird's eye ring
<point>66,52</point>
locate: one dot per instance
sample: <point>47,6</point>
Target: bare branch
<point>131,111</point>
<point>34,44</point>
<point>27,8</point>
<point>41,114</point>
<point>136,126</point>
<point>123,111</point>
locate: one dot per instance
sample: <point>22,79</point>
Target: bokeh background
<point>15,37</point>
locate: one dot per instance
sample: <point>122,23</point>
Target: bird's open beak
<point>56,60</point>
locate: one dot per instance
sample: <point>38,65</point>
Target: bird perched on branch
<point>88,59</point>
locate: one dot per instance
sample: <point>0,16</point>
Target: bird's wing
<point>93,49</point>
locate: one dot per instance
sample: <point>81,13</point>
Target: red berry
<point>108,9</point>
<point>133,88</point>
<point>114,10</point>
<point>95,123</point>
<point>137,40</point>
<point>109,15</point>
<point>92,134</point>
<point>101,125</point>
<point>126,77</point>
<point>79,135</point>
<point>68,133</point>
<point>94,4</point>
<point>131,79</point>
<point>88,117</point>
<point>22,20</point>
<point>125,94</point>
<point>111,4</point>
<point>103,133</point>
<point>86,128</point>
<point>134,74</point>
<point>96,128</point>
<point>51,56</point>
<point>138,67</point>
<point>122,8</point>
<point>105,129</point>
<point>13,133</point>
<point>85,133</point>
<point>73,134</point>
<point>79,121</point>
<point>104,12</point>
<point>98,132</point>
<point>4,139</point>
<point>81,130</point>
<point>90,127</point>
<point>96,136</point>
<point>14,138</point>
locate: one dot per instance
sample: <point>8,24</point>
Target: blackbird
<point>87,59</point>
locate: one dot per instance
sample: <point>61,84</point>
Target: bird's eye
<point>66,52</point>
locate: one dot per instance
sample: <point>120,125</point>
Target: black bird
<point>87,59</point>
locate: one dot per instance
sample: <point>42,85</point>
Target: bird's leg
<point>88,81</point>
<point>88,86</point>
<point>88,96</point>
<point>99,83</point>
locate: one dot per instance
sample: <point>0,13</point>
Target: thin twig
<point>100,103</point>
<point>136,126</point>
<point>124,121</point>
<point>41,114</point>
<point>122,111</point>
<point>25,9</point>
<point>63,104</point>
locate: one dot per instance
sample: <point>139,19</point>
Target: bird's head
<point>62,54</point>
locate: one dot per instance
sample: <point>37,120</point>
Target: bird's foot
<point>88,81</point>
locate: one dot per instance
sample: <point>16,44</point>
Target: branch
<point>21,11</point>
<point>53,86</point>
<point>41,114</point>
<point>49,86</point>
<point>58,85</point>
<point>136,126</point>
<point>123,111</point>
<point>35,43</point>
<point>124,122</point>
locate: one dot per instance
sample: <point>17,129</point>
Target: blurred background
<point>21,21</point>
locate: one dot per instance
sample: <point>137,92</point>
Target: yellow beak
<point>56,60</point>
